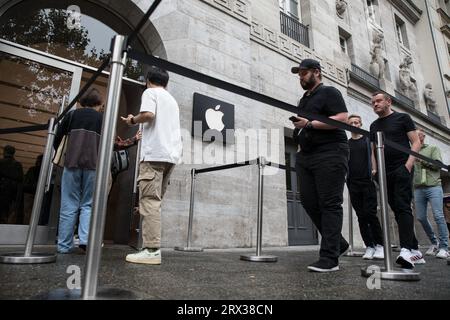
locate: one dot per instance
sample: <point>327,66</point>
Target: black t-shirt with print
<point>326,101</point>
<point>395,128</point>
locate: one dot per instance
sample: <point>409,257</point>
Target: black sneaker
<point>323,266</point>
<point>82,247</point>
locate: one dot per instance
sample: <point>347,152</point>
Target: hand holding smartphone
<point>294,119</point>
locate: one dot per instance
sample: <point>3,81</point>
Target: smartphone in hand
<point>294,119</point>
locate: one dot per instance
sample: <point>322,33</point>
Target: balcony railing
<point>405,100</point>
<point>294,29</point>
<point>365,76</point>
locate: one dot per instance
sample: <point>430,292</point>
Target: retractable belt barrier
<point>261,162</point>
<point>195,75</point>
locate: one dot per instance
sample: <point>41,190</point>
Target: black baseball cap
<point>307,64</point>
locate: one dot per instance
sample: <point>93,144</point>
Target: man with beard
<point>322,162</point>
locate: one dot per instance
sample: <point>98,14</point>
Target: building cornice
<point>409,9</point>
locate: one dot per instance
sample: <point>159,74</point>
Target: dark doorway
<point>301,230</point>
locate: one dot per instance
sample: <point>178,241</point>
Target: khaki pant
<point>153,180</point>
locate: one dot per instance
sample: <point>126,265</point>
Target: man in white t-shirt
<point>160,151</point>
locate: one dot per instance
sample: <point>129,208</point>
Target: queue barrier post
<point>388,273</point>
<point>351,252</point>
<point>188,247</point>
<point>28,257</point>
<point>259,257</point>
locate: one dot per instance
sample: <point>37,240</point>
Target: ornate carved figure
<point>377,64</point>
<point>341,6</point>
<point>430,100</point>
<point>407,86</point>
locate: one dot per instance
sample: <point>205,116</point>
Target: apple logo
<point>214,119</point>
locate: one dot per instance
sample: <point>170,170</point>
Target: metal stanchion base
<point>188,249</point>
<point>352,254</point>
<point>34,258</point>
<point>254,258</point>
<point>395,274</point>
<point>102,294</point>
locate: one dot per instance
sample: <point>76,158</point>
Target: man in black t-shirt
<point>363,194</point>
<point>398,127</point>
<point>322,162</point>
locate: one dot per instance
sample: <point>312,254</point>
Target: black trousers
<point>399,189</point>
<point>322,178</point>
<point>363,196</point>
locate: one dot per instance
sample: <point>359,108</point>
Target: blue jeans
<point>77,190</point>
<point>434,195</point>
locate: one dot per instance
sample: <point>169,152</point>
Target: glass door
<point>33,85</point>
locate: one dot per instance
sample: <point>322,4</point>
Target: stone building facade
<point>365,45</point>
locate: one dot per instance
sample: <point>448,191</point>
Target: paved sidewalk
<point>221,275</point>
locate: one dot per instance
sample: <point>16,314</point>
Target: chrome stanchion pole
<point>351,252</point>
<point>188,247</point>
<point>100,200</point>
<point>29,257</point>
<point>258,257</point>
<point>388,273</point>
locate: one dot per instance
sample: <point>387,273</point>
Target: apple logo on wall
<point>212,119</point>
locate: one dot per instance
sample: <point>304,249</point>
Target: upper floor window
<point>402,35</point>
<point>373,11</point>
<point>343,44</point>
<point>290,7</point>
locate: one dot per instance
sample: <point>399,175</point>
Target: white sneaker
<point>417,257</point>
<point>432,250</point>
<point>369,253</point>
<point>404,259</point>
<point>442,254</point>
<point>145,257</point>
<point>379,252</point>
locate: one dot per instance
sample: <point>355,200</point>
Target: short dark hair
<point>9,150</point>
<point>92,98</point>
<point>385,95</point>
<point>158,76</point>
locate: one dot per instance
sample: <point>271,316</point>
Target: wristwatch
<point>309,125</point>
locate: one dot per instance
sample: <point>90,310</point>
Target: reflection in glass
<point>31,96</point>
<point>63,32</point>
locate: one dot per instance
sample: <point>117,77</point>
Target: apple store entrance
<point>40,73</point>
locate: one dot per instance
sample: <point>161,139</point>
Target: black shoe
<point>324,266</point>
<point>82,247</point>
<point>344,247</point>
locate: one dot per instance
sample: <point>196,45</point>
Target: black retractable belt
<point>24,129</point>
<point>192,74</point>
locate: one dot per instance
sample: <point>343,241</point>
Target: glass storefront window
<point>78,30</point>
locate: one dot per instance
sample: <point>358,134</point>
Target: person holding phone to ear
<point>322,162</point>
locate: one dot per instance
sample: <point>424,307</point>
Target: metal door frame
<point>11,234</point>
